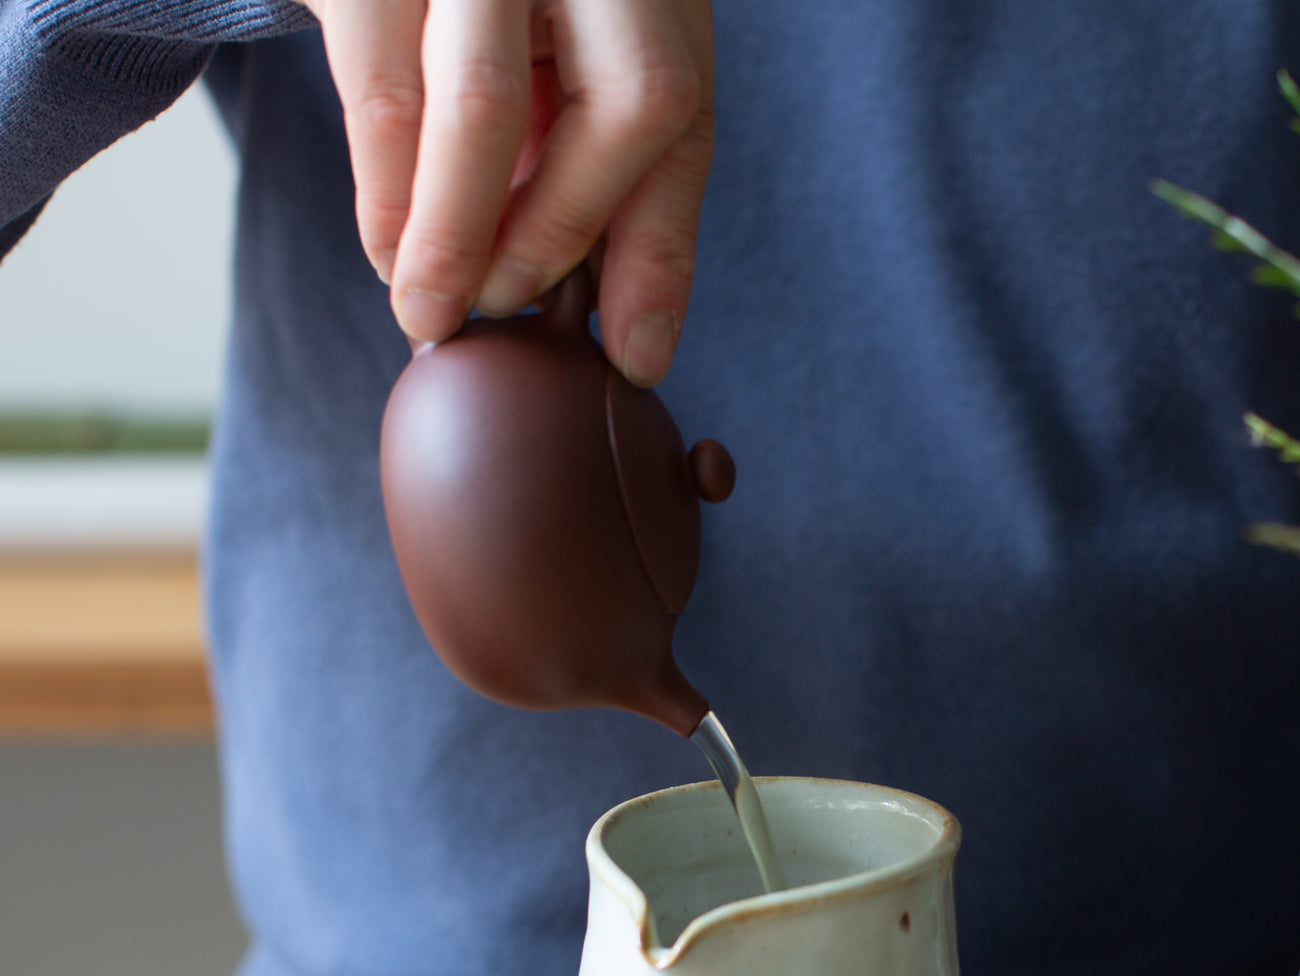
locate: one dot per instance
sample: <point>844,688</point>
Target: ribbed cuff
<point>155,46</point>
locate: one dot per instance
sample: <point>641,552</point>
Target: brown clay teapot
<point>545,515</point>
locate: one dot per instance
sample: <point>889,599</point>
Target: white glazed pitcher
<point>674,888</point>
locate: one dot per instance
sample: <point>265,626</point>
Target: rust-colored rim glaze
<point>798,900</point>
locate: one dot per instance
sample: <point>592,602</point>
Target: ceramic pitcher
<point>675,890</point>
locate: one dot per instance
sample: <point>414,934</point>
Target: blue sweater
<point>984,393</point>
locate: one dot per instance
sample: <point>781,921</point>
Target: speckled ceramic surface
<point>674,889</point>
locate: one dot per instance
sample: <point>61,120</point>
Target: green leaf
<point>1274,535</point>
<point>1187,203</point>
<point>1289,90</point>
<point>1243,237</point>
<point>1271,277</point>
<point>1264,434</point>
<point>1222,242</point>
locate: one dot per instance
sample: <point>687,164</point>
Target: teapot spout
<point>667,698</point>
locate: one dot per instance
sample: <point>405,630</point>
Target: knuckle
<point>374,210</point>
<point>567,228</point>
<point>667,253</point>
<point>662,98</point>
<point>482,92</point>
<point>390,107</point>
<point>692,153</point>
<point>698,141</point>
<point>379,221</point>
<point>443,260</point>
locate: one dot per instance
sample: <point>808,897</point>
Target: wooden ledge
<point>102,645</point>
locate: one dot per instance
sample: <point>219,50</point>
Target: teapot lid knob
<point>567,307</point>
<point>713,472</point>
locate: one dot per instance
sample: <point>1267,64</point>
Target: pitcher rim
<point>802,897</point>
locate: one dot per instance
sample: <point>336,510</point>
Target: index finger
<point>373,48</point>
<point>477,68</point>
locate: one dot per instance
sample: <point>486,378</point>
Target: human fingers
<point>631,89</point>
<point>373,47</point>
<point>476,84</point>
<point>544,108</point>
<point>649,265</point>
<point>649,260</point>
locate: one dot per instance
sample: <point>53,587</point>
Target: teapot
<point>545,515</point>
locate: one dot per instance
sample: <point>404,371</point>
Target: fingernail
<point>649,349</point>
<point>508,288</point>
<point>429,315</point>
<point>384,262</point>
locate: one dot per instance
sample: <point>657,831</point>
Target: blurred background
<point>112,326</point>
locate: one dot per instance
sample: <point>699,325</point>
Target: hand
<point>495,143</point>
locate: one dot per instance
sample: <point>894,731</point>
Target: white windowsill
<point>77,503</point>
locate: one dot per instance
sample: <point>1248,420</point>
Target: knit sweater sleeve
<point>75,75</point>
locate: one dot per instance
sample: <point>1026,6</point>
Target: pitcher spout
<point>673,887</point>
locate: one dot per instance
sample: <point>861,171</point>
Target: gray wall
<point>111,862</point>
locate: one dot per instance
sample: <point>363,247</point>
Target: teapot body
<point>507,519</point>
<point>545,516</point>
<point>673,888</point>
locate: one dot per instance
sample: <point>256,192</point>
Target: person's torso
<point>984,392</point>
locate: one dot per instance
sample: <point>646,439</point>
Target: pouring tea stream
<point>545,518</point>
